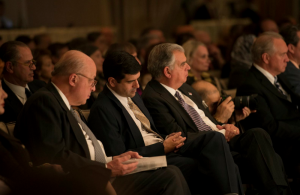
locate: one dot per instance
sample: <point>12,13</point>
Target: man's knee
<point>258,132</point>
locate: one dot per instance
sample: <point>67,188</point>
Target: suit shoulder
<point>36,85</point>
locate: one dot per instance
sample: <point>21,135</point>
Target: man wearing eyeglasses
<point>17,77</point>
<point>54,133</point>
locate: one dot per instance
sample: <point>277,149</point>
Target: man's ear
<point>9,67</point>
<point>265,58</point>
<point>73,79</point>
<point>167,72</point>
<point>291,48</point>
<point>112,81</point>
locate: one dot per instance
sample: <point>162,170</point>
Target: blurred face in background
<point>200,61</point>
<point>3,95</point>
<point>46,67</point>
<point>98,59</point>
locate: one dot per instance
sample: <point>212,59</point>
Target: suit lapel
<point>266,83</point>
<point>13,100</point>
<point>197,100</point>
<point>134,130</point>
<point>165,94</point>
<point>73,122</point>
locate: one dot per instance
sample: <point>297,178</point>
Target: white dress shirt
<point>87,138</point>
<point>149,138</point>
<point>272,80</point>
<point>190,102</point>
<point>18,90</point>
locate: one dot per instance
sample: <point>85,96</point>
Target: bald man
<point>53,132</point>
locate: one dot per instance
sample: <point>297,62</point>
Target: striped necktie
<point>276,83</point>
<point>193,114</point>
<point>142,118</point>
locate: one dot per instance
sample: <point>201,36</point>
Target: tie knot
<point>27,92</point>
<point>130,103</point>
<point>177,94</point>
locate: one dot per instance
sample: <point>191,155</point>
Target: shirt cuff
<point>108,159</point>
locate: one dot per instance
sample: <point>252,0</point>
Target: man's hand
<point>230,131</point>
<point>224,110</point>
<point>118,168</point>
<point>52,168</point>
<point>242,114</point>
<point>173,142</point>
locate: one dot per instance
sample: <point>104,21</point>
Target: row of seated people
<point>171,120</point>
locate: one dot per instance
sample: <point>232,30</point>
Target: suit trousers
<point>257,160</point>
<point>164,181</point>
<point>216,169</point>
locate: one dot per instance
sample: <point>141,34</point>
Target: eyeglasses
<point>28,63</point>
<point>94,83</point>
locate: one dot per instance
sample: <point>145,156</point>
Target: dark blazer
<point>109,119</point>
<point>279,117</point>
<point>13,105</point>
<point>166,111</point>
<point>292,74</point>
<point>50,132</point>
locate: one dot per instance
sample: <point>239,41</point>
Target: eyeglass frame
<point>93,84</point>
<point>32,62</point>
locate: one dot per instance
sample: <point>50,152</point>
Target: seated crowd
<point>152,99</point>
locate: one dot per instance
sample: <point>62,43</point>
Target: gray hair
<point>161,56</point>
<point>264,44</point>
<point>69,63</point>
<point>190,47</point>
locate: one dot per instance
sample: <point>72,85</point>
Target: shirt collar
<point>171,90</point>
<point>62,95</point>
<point>17,89</point>
<point>266,73</point>
<point>122,99</point>
<point>295,64</point>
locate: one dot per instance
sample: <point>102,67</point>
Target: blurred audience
<point>98,40</point>
<point>269,25</point>
<point>44,65</point>
<point>42,41</point>
<point>57,51</point>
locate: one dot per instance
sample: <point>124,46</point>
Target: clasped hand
<point>173,142</point>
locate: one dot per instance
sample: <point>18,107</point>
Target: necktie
<point>276,83</point>
<point>28,93</point>
<point>193,114</point>
<point>99,155</point>
<point>141,117</point>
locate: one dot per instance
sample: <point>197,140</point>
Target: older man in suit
<point>176,107</point>
<point>17,77</point>
<point>277,102</point>
<point>53,132</point>
<point>120,119</point>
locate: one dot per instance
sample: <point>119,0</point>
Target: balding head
<point>74,75</point>
<point>209,93</point>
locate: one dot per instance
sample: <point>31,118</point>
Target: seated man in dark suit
<point>17,77</point>
<point>54,133</point>
<point>122,122</point>
<point>291,35</point>
<point>278,105</point>
<point>177,107</point>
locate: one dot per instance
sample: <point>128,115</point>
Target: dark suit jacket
<point>275,113</point>
<point>13,105</point>
<point>166,111</point>
<point>50,132</point>
<point>292,74</point>
<point>112,124</point>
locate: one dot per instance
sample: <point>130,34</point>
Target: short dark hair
<point>55,47</point>
<point>93,36</point>
<point>289,34</point>
<point>24,39</point>
<point>126,46</point>
<point>119,63</point>
<point>38,56</point>
<point>9,50</point>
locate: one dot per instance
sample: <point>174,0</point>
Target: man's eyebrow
<point>183,63</point>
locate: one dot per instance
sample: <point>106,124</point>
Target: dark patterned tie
<point>276,83</point>
<point>99,155</point>
<point>27,92</point>
<point>193,114</point>
<point>142,118</point>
